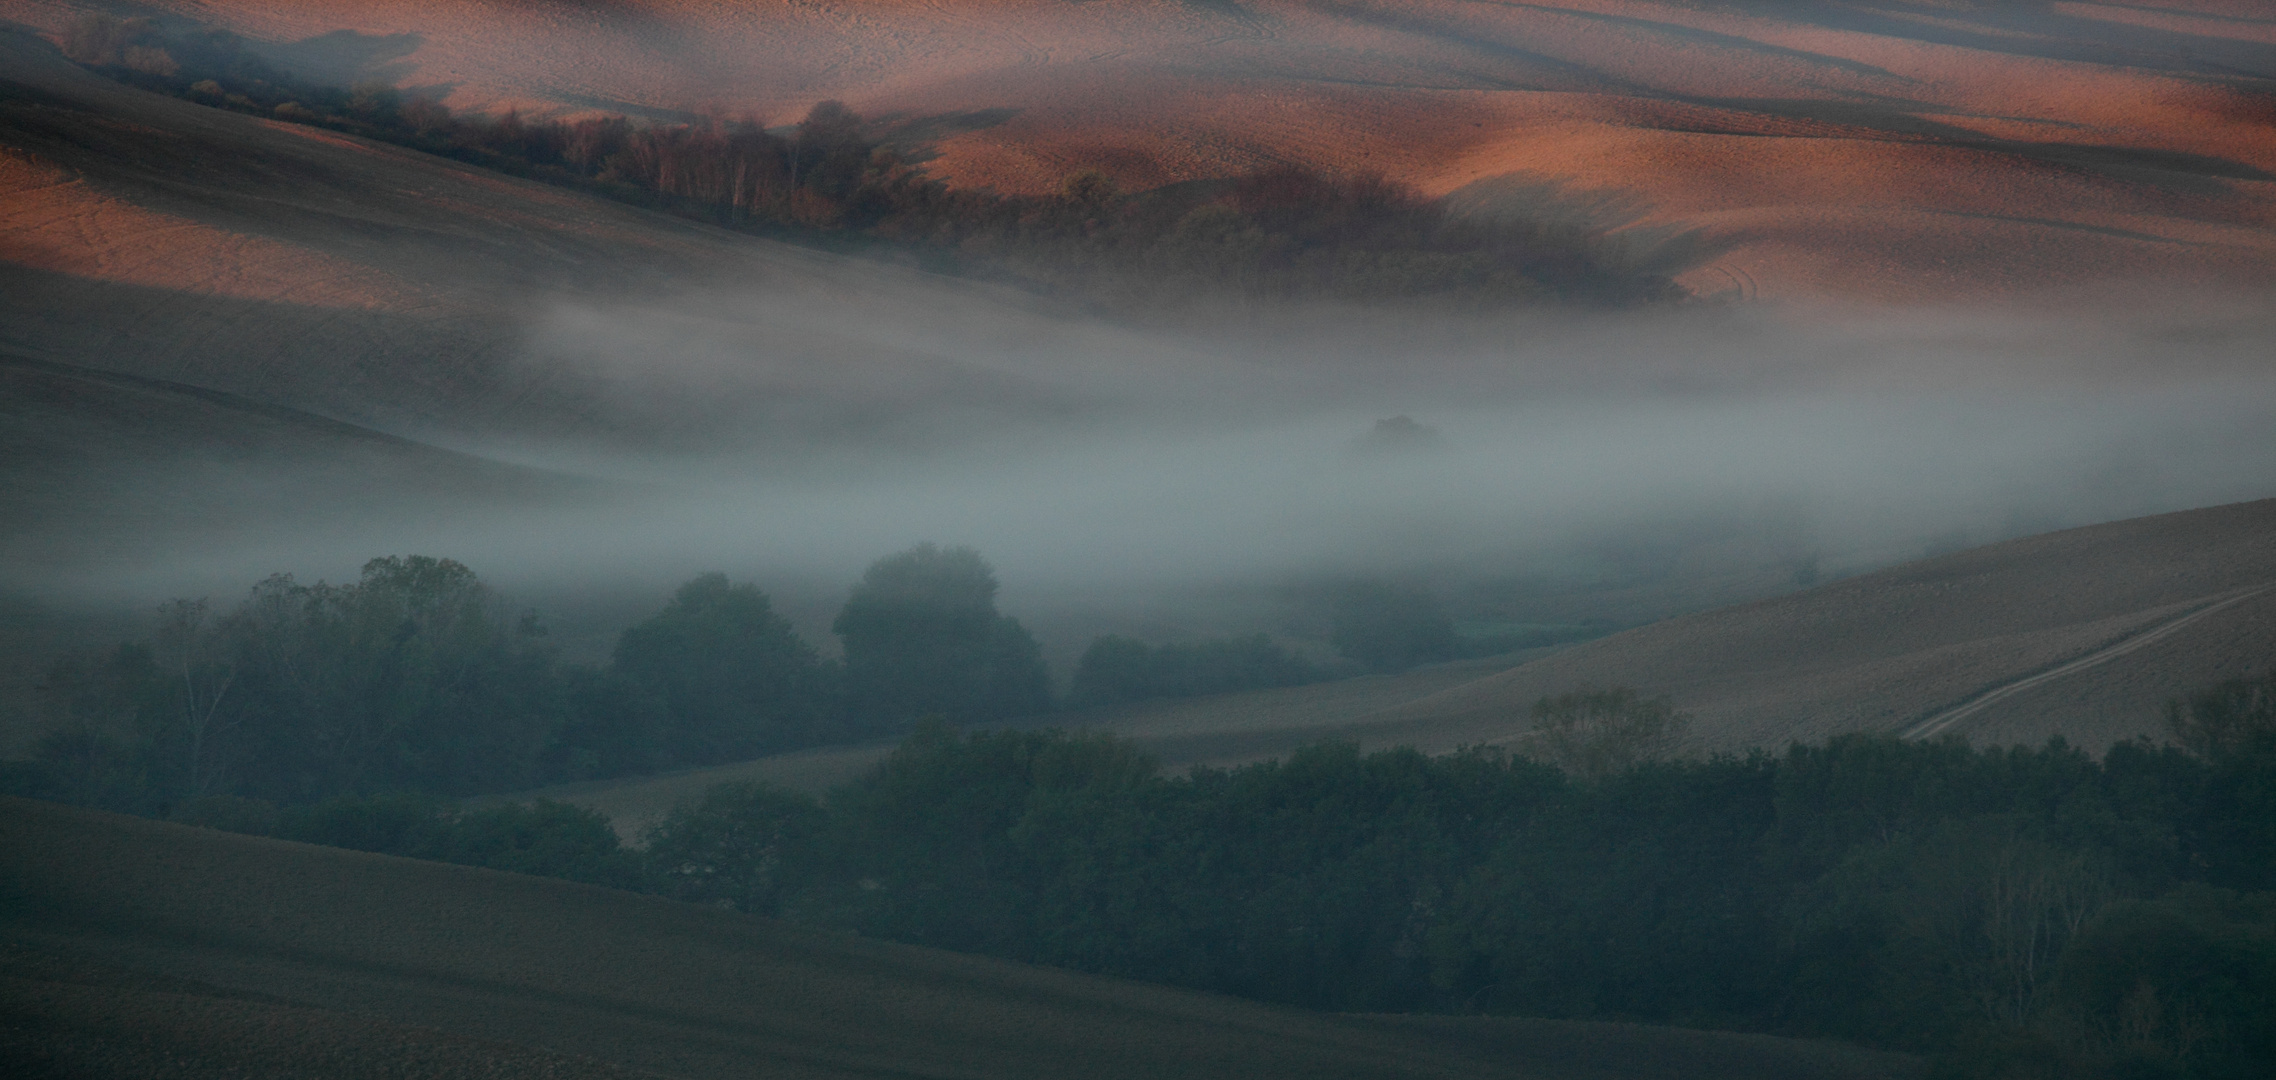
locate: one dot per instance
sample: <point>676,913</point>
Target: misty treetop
<point>923,639</point>
<point>1280,232</point>
<point>1391,626</point>
<point>417,678</point>
<point>1118,669</point>
<point>731,678</point>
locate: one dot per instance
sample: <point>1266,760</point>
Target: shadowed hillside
<point>132,943</point>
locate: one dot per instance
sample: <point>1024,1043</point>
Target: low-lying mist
<point>1132,478</point>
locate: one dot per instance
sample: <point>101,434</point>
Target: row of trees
<point>2021,911</point>
<point>1281,232</point>
<point>2017,912</point>
<point>418,678</point>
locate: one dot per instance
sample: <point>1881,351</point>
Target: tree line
<point>2012,912</point>
<point>418,677</point>
<point>2020,911</point>
<point>1280,232</point>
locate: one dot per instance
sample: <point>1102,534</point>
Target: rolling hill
<point>1898,650</point>
<point>2085,633</point>
<point>138,948</point>
<point>171,275</point>
<point>1876,151</point>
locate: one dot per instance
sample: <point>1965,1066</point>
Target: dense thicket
<point>923,639</point>
<point>1391,626</point>
<point>2004,906</point>
<point>1280,233</point>
<point>2018,912</point>
<point>416,678</point>
<point>1118,669</point>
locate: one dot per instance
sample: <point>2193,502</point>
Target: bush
<point>739,847</point>
<point>1117,669</point>
<point>1390,627</point>
<point>1599,732</point>
<point>2186,981</point>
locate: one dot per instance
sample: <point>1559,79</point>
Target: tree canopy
<point>923,638</point>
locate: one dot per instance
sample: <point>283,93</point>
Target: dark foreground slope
<point>142,948</point>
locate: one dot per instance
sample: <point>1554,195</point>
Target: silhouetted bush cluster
<point>1390,626</point>
<point>1280,233</point>
<point>1117,669</point>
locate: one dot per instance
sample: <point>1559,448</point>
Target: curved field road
<point>1943,721</point>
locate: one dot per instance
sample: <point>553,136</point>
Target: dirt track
<point>1951,719</point>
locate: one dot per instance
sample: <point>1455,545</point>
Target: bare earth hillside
<point>368,283</point>
<point>138,948</point>
<point>1898,650</point>
<point>1882,150</point>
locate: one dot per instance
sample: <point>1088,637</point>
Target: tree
<point>190,650</point>
<point>1117,668</point>
<point>412,678</point>
<point>2232,719</point>
<point>1594,732</point>
<point>1391,627</point>
<point>923,638</point>
<point>734,679</point>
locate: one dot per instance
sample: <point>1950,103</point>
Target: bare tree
<point>188,648</point>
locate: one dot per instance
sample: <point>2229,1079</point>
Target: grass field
<point>139,948</point>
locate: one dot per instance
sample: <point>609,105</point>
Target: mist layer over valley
<point>348,350</point>
<point>1424,538</point>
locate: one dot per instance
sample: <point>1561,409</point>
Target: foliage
<point>1389,626</point>
<point>923,638</point>
<point>734,847</point>
<point>2184,982</point>
<point>1997,906</point>
<point>1277,233</point>
<point>415,679</point>
<point>1116,669</point>
<point>2019,911</point>
<point>1594,732</point>
<point>733,680</point>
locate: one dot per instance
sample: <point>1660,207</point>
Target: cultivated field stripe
<point>1945,720</point>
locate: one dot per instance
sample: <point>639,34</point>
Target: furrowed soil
<point>1871,151</point>
<point>139,948</point>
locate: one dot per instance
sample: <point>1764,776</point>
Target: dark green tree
<point>923,638</point>
<point>734,680</point>
<point>413,678</point>
<point>1117,668</point>
<point>1390,627</point>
